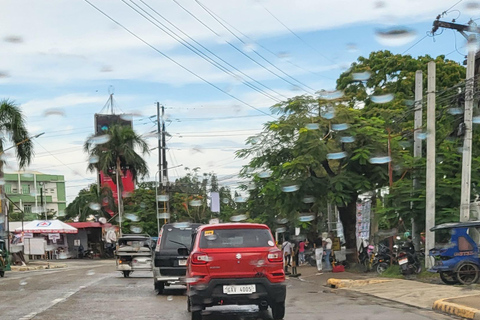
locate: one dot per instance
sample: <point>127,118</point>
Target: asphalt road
<point>94,290</point>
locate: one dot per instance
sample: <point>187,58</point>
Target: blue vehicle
<point>458,261</point>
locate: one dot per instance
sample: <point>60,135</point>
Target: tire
<point>2,274</point>
<point>278,310</point>
<point>419,268</point>
<point>381,267</point>
<point>449,278</point>
<point>262,308</point>
<point>467,273</point>
<point>126,274</point>
<point>159,287</point>
<point>189,308</point>
<point>196,314</point>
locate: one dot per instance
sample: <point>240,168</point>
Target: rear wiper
<point>179,243</point>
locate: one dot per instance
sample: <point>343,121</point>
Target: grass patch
<point>393,272</point>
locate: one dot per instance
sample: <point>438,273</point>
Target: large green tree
<point>115,151</point>
<point>13,129</point>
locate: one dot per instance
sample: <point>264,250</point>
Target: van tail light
<point>200,258</point>
<point>157,247</point>
<point>275,256</point>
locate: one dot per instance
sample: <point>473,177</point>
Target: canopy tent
<point>47,226</point>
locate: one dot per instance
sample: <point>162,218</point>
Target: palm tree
<point>14,130</point>
<point>91,201</point>
<point>114,153</point>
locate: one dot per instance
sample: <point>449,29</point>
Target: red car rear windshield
<point>236,238</point>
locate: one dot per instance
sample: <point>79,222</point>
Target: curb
<point>344,283</point>
<point>27,268</point>
<point>459,310</point>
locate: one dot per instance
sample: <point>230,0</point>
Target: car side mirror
<point>182,251</point>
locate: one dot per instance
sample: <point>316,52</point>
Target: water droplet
<point>94,159</point>
<point>104,138</point>
<point>455,111</point>
<point>4,74</point>
<point>352,47</point>
<point>211,237</point>
<point>251,186</point>
<point>422,135</point>
<point>282,220</point>
<point>181,225</point>
<point>361,76</point>
<point>163,215</point>
<point>132,217</point>
<point>249,47</point>
<point>340,126</point>
<point>2,181</point>
<point>23,282</point>
<point>380,160</point>
<point>472,8</point>
<point>476,119</point>
<point>395,37</point>
<point>267,174</point>
<point>225,200</point>
<point>240,199</point>
<point>13,39</point>
<point>142,205</point>
<point>283,55</point>
<point>196,203</point>
<point>170,298</point>
<point>291,188</point>
<point>405,144</point>
<point>163,197</point>
<point>312,126</point>
<point>54,112</point>
<point>347,139</point>
<point>237,218</point>
<point>308,199</point>
<point>330,95</point>
<point>460,149</point>
<point>281,230</point>
<point>136,229</point>
<point>327,112</point>
<point>306,218</point>
<point>90,272</point>
<point>336,155</point>
<point>384,98</point>
<point>379,5</point>
<point>94,206</point>
<point>27,175</point>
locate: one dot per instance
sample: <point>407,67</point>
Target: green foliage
<point>81,207</point>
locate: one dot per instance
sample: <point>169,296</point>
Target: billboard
<point>102,123</point>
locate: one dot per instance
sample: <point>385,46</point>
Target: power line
<point>171,59</point>
<point>198,52</point>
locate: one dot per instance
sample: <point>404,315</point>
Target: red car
<point>235,263</point>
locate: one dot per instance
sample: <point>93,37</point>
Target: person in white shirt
<point>287,251</point>
<point>327,243</point>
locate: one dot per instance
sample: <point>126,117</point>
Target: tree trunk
<point>349,221</point>
<point>119,183</point>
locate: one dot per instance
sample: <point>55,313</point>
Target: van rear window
<point>173,238</point>
<point>236,238</point>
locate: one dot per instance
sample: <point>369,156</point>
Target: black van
<point>170,267</point>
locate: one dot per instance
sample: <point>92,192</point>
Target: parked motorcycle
<point>383,259</point>
<point>408,261</point>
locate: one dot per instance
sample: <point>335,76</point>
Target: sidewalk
<point>461,301</point>
<point>55,264</point>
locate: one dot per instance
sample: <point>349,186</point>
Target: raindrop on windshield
<point>282,220</point>
<point>4,74</point>
<point>306,218</point>
<point>54,112</point>
<point>240,199</point>
<point>455,111</point>
<point>94,159</point>
<point>163,215</point>
<point>361,76</point>
<point>237,218</point>
<point>211,237</point>
<point>330,95</point>
<point>23,282</point>
<point>181,225</point>
<point>476,120</point>
<point>384,98</point>
<point>395,37</point>
<point>472,8</point>
<point>170,298</point>
<point>380,160</point>
<point>281,230</point>
<point>90,272</point>
<point>132,217</point>
<point>265,174</point>
<point>422,135</point>
<point>340,126</point>
<point>308,199</point>
<point>196,203</point>
<point>94,206</point>
<point>312,126</point>
<point>291,188</point>
<point>249,47</point>
<point>163,197</point>
<point>136,229</point>
<point>225,200</point>
<point>336,155</point>
<point>347,139</point>
<point>13,39</point>
<point>2,181</point>
<point>104,138</point>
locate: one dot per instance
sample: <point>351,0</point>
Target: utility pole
<point>430,183</point>
<point>467,142</point>
<point>160,140</point>
<point>417,143</point>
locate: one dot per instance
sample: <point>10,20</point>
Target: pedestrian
<point>318,245</point>
<point>327,243</point>
<point>301,252</point>
<point>287,252</point>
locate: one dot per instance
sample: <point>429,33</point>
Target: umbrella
<point>47,226</point>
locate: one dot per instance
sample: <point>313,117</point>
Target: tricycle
<point>134,252</point>
<point>458,261</point>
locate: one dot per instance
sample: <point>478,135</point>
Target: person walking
<point>301,252</point>
<point>318,245</point>
<point>287,252</point>
<point>327,243</point>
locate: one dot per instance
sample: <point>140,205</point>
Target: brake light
<point>157,247</point>
<point>200,258</point>
<point>275,256</point>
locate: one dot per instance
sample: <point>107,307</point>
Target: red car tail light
<point>200,258</point>
<point>275,256</point>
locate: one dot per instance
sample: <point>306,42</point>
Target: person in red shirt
<point>301,252</point>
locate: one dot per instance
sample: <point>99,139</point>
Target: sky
<point>216,66</point>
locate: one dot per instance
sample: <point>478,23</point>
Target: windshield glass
<point>174,238</point>
<point>236,238</point>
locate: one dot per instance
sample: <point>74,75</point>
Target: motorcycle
<point>383,259</point>
<point>86,254</point>
<point>408,261</point>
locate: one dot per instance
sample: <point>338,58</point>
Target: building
<point>29,190</point>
